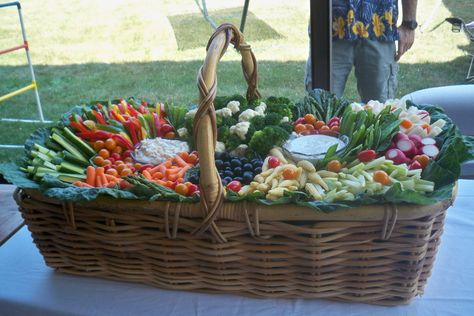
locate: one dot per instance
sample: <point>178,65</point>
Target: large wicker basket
<point>379,254</point>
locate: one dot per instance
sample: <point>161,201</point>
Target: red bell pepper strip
<point>95,135</point>
<point>132,110</point>
<point>142,109</point>
<point>132,131</point>
<point>99,106</point>
<point>122,142</point>
<point>99,117</point>
<point>79,127</point>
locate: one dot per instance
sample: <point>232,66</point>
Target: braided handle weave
<point>205,130</point>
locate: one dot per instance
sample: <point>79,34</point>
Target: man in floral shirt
<point>364,35</point>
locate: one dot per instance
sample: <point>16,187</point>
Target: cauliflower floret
<point>234,106</point>
<point>240,150</point>
<point>261,108</point>
<point>224,112</point>
<point>190,114</point>
<point>285,119</point>
<point>220,147</point>
<point>356,106</point>
<point>240,129</point>
<point>182,132</point>
<point>376,106</point>
<point>246,115</point>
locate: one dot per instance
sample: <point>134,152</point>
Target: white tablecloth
<point>28,287</point>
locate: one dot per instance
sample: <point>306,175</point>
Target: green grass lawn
<point>87,50</point>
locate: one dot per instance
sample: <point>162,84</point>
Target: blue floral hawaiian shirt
<point>371,19</point>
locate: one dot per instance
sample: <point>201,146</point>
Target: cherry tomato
<point>104,153</point>
<point>234,186</point>
<point>128,159</point>
<point>110,144</point>
<point>290,174</point>
<point>319,124</point>
<point>98,145</point>
<point>120,167</point>
<point>381,176</point>
<point>181,189</point>
<point>309,127</point>
<point>107,162</point>
<point>99,161</point>
<point>423,160</point>
<point>118,150</point>
<point>170,135</point>
<point>125,172</point>
<point>325,128</point>
<point>309,119</point>
<point>116,156</point>
<point>127,153</point>
<point>112,172</point>
<point>273,162</point>
<point>334,166</point>
<point>299,128</point>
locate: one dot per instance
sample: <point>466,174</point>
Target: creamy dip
<point>312,146</point>
<point>157,150</point>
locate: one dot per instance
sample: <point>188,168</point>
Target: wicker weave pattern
<point>344,260</point>
<point>373,254</point>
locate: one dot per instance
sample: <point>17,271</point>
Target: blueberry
<point>224,183</point>
<point>257,170</point>
<point>228,168</point>
<point>247,177</point>
<point>218,155</point>
<point>257,163</point>
<point>194,180</point>
<point>247,167</point>
<point>227,179</point>
<point>238,179</point>
<point>235,163</point>
<point>244,160</point>
<point>225,156</point>
<point>219,164</point>
<point>227,164</point>
<point>228,173</point>
<point>237,171</point>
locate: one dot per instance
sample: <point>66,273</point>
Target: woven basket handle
<point>205,130</point>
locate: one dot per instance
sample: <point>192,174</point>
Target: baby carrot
<point>90,176</point>
<point>101,174</point>
<point>183,171</point>
<point>82,184</point>
<point>179,161</point>
<point>147,175</point>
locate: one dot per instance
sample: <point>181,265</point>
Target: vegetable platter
<point>250,195</point>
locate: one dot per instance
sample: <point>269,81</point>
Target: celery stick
<point>358,167</point>
<point>375,164</point>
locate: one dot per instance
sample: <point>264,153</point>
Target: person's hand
<point>407,37</point>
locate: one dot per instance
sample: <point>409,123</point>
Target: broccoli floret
<point>232,142</point>
<point>257,122</point>
<point>223,133</point>
<point>264,140</point>
<point>287,126</point>
<point>227,121</point>
<point>283,106</point>
<point>273,118</point>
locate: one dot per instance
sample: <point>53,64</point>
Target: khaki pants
<point>375,68</point>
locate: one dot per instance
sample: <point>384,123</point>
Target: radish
<point>400,136</point>
<point>407,147</point>
<point>335,119</point>
<point>428,141</point>
<point>415,165</point>
<point>396,155</point>
<point>299,121</point>
<point>416,139</point>
<point>430,150</point>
